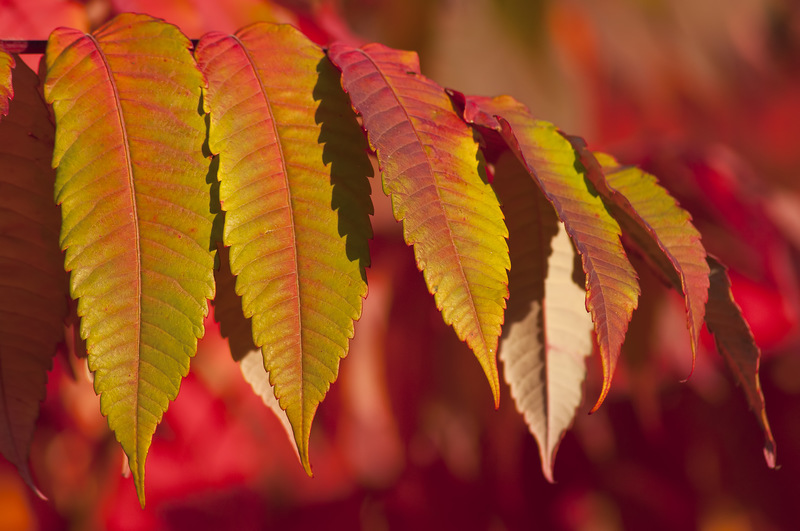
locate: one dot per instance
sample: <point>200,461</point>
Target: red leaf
<point>738,348</point>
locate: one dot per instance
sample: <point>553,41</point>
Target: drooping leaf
<point>547,334</point>
<point>434,172</point>
<point>6,88</point>
<point>652,218</point>
<point>293,171</point>
<point>738,348</point>
<point>33,288</point>
<point>612,287</point>
<point>137,226</point>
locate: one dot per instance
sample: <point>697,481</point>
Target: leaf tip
<point>769,454</point>
<point>25,473</point>
<point>490,369</point>
<point>547,470</point>
<point>138,479</point>
<point>603,394</point>
<point>140,491</point>
<point>305,461</point>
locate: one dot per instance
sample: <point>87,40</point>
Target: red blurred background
<point>706,95</point>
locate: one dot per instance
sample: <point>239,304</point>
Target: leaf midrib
<point>137,235</point>
<point>462,274</point>
<point>290,205</point>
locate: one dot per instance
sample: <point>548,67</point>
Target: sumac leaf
<point>137,225</point>
<point>548,332</point>
<point>33,285</point>
<point>293,170</point>
<point>612,287</point>
<point>657,224</point>
<point>434,173</point>
<point>738,348</point>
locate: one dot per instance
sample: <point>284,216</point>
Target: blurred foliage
<point>705,95</point>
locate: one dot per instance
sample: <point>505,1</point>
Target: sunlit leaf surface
<point>137,224</point>
<point>293,174</point>
<point>433,171</point>
<point>612,287</point>
<point>6,88</point>
<point>650,216</point>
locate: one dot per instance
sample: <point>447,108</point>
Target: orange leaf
<point>434,172</point>
<point>654,220</point>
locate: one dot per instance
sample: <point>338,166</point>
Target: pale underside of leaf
<point>612,286</point>
<point>131,181</point>
<point>738,348</point>
<point>433,171</point>
<point>252,366</point>
<point>293,172</point>
<point>33,287</point>
<point>659,226</point>
<point>547,334</point>
<point>238,331</point>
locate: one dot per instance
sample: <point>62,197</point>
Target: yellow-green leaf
<point>548,332</point>
<point>131,181</point>
<point>293,171</point>
<point>434,172</point>
<point>661,228</point>
<point>612,287</point>
<point>33,287</point>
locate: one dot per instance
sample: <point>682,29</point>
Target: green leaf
<point>612,287</point>
<point>548,332</point>
<point>33,287</point>
<point>6,88</point>
<point>293,171</point>
<point>137,227</point>
<point>434,172</point>
<point>661,228</point>
<point>738,348</point>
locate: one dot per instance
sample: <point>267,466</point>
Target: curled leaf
<point>659,226</point>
